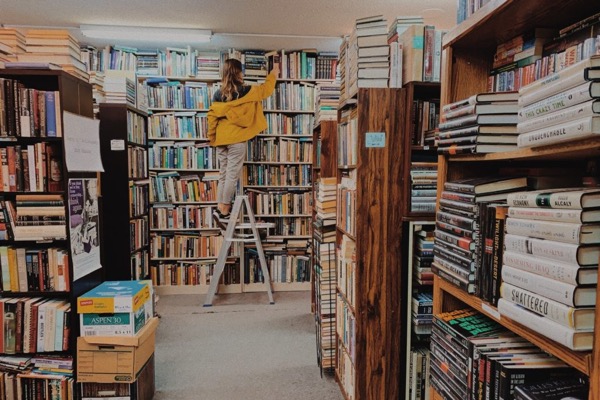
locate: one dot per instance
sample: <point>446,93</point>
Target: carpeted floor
<point>241,348</point>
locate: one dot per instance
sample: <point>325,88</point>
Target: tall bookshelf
<point>323,248</point>
<point>467,59</point>
<point>370,192</point>
<point>124,149</point>
<point>74,96</point>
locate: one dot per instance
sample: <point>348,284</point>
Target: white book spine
<point>553,310</point>
<point>572,130</point>
<point>565,252</point>
<point>560,101</point>
<point>543,266</point>
<point>58,328</point>
<point>559,231</point>
<point>550,288</point>
<point>41,327</point>
<point>587,109</point>
<point>544,326</point>
<point>546,214</point>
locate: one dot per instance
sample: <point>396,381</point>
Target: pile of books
<point>55,46</point>
<point>422,317</point>
<point>147,62</point>
<point>119,87</point>
<point>325,204</point>
<point>550,263</point>
<point>423,186</point>
<point>36,217</point>
<point>482,123</point>
<point>422,258</point>
<point>561,107</point>
<point>458,242</point>
<point>208,65</point>
<point>12,41</point>
<point>472,355</point>
<point>373,52</point>
<point>327,100</point>
<point>98,94</point>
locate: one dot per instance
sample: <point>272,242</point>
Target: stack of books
<point>550,263</point>
<point>97,82</point>
<point>423,256</point>
<point>573,388</point>
<point>373,52</point>
<point>55,46</point>
<point>422,308</point>
<point>482,123</point>
<point>147,62</point>
<point>119,87</point>
<point>423,186</point>
<point>326,65</point>
<point>208,65</point>
<point>36,217</point>
<point>457,244</point>
<point>343,68</point>
<point>472,355</point>
<point>254,63</point>
<point>325,204</point>
<point>402,23</point>
<point>561,107</point>
<point>327,101</point>
<point>12,42</point>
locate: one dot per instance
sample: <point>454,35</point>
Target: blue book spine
<point>50,114</point>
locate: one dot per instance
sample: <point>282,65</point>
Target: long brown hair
<point>232,78</point>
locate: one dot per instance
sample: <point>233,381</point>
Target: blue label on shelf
<point>375,139</point>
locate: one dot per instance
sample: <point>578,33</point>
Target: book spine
<point>50,114</point>
<point>560,101</point>
<point>545,214</point>
<point>578,111</point>
<point>459,241</point>
<point>544,267</point>
<point>555,290</point>
<point>559,231</point>
<point>496,253</point>
<point>541,325</point>
<point>572,130</point>
<point>565,252</point>
<point>553,310</point>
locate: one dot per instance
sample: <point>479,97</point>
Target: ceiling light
<point>109,32</point>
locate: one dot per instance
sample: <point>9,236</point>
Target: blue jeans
<point>231,160</point>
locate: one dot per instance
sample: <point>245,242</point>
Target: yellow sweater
<point>239,120</point>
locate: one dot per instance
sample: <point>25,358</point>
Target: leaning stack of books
<point>423,185</point>
<point>373,52</point>
<point>482,123</point>
<point>457,244</point>
<point>561,107</point>
<point>472,355</point>
<point>550,263</point>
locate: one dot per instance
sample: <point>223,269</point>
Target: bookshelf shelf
<point>153,139</point>
<point>162,109</point>
<point>468,54</point>
<point>577,359</point>
<point>183,169</point>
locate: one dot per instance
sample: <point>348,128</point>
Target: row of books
<point>34,217</point>
<point>182,155</point>
<point>31,168</point>
<point>423,186</point>
<point>425,117</point>
<point>294,125</point>
<point>34,269</point>
<point>139,193</point>
<point>137,159</point>
<point>325,279</point>
<point>184,246</point>
<point>466,8</point>
<point>283,268</point>
<point>303,64</point>
<point>473,357</point>
<point>28,112</point>
<point>168,93</point>
<point>291,96</point>
<point>168,187</point>
<point>288,226</point>
<point>276,175</point>
<point>418,372</point>
<point>138,233</point>
<point>280,149</point>
<point>169,216</point>
<point>139,264</point>
<point>188,273</point>
<point>28,385</point>
<point>178,125</point>
<point>274,202</point>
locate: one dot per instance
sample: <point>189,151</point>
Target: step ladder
<point>232,234</point>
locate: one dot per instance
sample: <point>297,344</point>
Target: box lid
<point>136,340</point>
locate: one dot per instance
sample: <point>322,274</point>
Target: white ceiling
<point>265,24</point>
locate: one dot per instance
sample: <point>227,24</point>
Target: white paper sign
<point>117,145</point>
<point>82,143</point>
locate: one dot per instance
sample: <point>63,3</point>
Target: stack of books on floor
<point>327,101</point>
<point>423,185</point>
<point>119,87</point>
<point>561,107</point>
<point>482,123</point>
<point>423,256</point>
<point>457,244</point>
<point>551,253</point>
<point>373,52</point>
<point>116,347</point>
<point>55,46</point>
<point>474,357</point>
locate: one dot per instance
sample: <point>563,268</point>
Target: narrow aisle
<point>241,348</point>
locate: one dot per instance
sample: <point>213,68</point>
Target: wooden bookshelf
<point>467,60</point>
<point>123,138</point>
<point>75,97</point>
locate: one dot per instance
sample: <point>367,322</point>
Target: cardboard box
<point>115,297</point>
<point>142,389</point>
<point>113,324</point>
<point>106,359</point>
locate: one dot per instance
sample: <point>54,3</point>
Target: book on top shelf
<point>486,185</point>
<point>552,389</point>
<point>568,131</point>
<point>565,198</point>
<point>578,111</point>
<point>573,253</point>
<point>482,98</point>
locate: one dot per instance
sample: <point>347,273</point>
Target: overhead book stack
<point>327,101</point>
<point>119,87</point>
<point>482,123</point>
<point>550,263</point>
<point>458,233</point>
<point>56,46</point>
<point>12,41</point>
<point>561,107</point>
<point>373,52</point>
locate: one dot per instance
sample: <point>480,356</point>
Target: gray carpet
<point>241,348</point>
